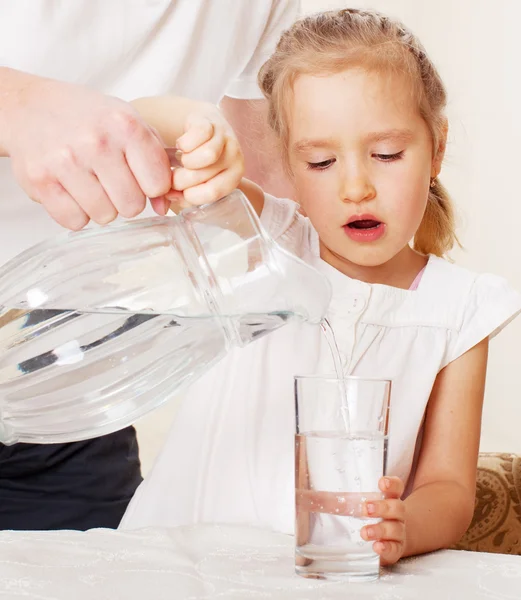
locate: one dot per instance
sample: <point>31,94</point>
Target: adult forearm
<point>262,155</point>
<point>438,514</point>
<point>14,86</point>
<point>269,175</point>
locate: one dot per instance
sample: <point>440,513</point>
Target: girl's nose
<point>357,185</point>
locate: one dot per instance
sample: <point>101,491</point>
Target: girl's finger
<point>386,509</point>
<point>188,178</point>
<point>231,160</point>
<point>392,487</point>
<point>390,552</point>
<point>207,154</point>
<point>384,531</point>
<point>219,186</point>
<point>198,131</point>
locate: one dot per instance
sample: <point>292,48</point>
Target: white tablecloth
<point>211,561</point>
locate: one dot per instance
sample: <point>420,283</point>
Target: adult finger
<point>121,186</point>
<point>149,163</point>
<point>62,207</point>
<point>86,190</point>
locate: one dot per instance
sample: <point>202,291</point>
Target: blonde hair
<point>333,41</point>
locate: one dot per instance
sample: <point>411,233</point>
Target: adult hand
<point>82,155</point>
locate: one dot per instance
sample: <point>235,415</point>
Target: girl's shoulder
<point>460,291</point>
<point>470,305</point>
<point>445,296</point>
<point>456,304</point>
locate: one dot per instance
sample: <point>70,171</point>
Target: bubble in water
<point>337,510</point>
<point>341,499</point>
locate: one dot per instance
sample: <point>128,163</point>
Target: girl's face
<point>362,160</point>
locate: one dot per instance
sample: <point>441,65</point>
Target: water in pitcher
<point>111,363</point>
<point>99,327</point>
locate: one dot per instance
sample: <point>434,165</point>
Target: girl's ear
<point>437,159</point>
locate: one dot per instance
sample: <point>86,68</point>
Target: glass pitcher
<point>99,327</point>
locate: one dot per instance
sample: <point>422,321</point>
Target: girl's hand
<point>210,158</point>
<point>389,534</point>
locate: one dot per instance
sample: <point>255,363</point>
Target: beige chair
<point>496,526</point>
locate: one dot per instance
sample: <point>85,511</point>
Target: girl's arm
<point>210,160</point>
<point>174,117</point>
<point>169,115</point>
<point>441,505</point>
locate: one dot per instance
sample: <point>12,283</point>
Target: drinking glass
<point>340,456</point>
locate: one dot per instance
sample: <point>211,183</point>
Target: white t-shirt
<point>230,454</point>
<point>201,49</point>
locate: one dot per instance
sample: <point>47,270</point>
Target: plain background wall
<point>475,45</point>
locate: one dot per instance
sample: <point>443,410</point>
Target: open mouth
<point>364,228</point>
<point>364,224</point>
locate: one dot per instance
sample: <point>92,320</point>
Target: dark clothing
<point>80,485</point>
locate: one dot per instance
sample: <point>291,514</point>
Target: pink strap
<point>417,279</point>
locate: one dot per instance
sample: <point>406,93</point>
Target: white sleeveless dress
<point>229,457</point>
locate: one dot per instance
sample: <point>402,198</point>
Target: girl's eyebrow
<point>311,144</point>
<point>395,135</point>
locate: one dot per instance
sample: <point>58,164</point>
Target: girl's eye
<point>320,166</point>
<point>389,157</point>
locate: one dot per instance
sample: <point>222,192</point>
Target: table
<point>225,562</point>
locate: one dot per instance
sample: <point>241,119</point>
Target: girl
<point>358,108</point>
